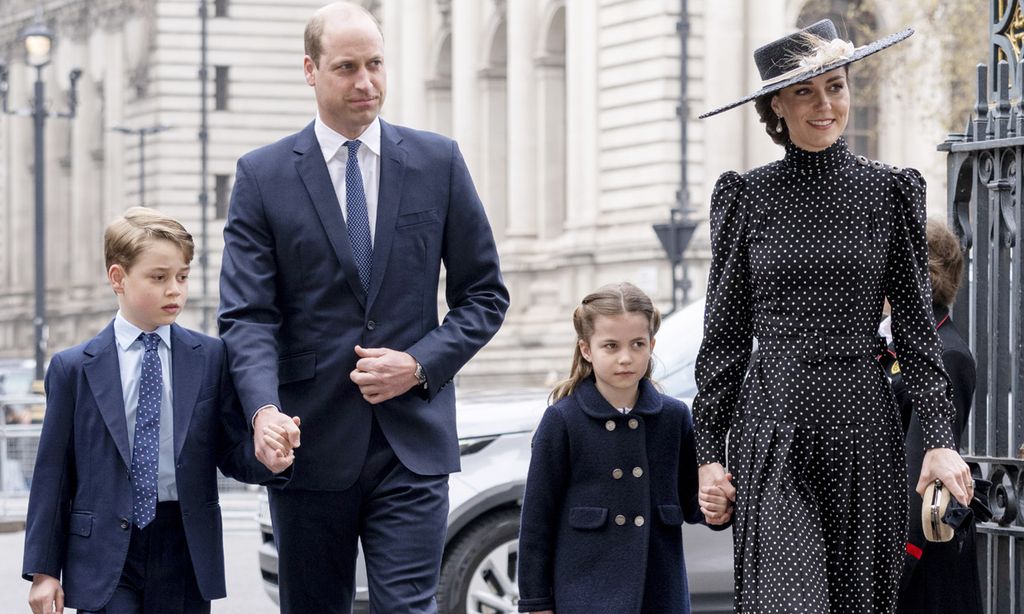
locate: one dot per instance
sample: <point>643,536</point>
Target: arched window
<point>856,21</point>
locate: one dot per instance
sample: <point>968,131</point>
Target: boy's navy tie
<point>358,221</point>
<point>146,450</point>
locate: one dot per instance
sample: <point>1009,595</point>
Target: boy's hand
<point>46,595</point>
<point>276,437</point>
<point>268,422</point>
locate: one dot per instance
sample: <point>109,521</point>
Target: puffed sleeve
<point>542,507</point>
<point>728,326</point>
<point>908,289</point>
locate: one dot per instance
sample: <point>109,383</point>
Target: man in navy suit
<point>123,517</point>
<point>333,247</point>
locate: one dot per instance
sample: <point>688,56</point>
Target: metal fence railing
<point>19,444</point>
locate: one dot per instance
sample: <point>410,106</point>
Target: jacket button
<point>620,520</point>
<point>637,472</point>
<point>639,521</point>
<point>633,423</point>
<point>371,325</point>
<point>124,523</point>
<point>610,425</point>
<point>617,473</point>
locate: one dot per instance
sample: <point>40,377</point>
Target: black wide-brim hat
<point>803,55</point>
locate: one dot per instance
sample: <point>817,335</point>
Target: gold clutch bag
<point>935,502</point>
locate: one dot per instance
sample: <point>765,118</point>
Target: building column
<point>466,54</point>
<point>581,123</point>
<point>522,117</point>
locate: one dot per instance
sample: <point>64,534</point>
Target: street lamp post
<point>38,41</point>
<point>142,132</point>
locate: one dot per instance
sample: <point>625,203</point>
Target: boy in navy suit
<point>124,507</point>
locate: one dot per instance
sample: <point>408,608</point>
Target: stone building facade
<point>566,111</point>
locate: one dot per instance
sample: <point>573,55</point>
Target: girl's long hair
<point>610,300</point>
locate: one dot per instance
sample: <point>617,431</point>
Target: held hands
<point>46,595</point>
<point>946,465</point>
<point>383,374</point>
<point>717,495</point>
<point>275,436</point>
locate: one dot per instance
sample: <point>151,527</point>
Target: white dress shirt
<point>332,144</point>
<point>129,356</point>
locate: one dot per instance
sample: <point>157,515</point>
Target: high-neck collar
<point>830,159</point>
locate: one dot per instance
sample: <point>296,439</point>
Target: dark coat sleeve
<point>728,324</point>
<point>908,289</point>
<point>542,509</point>
<point>474,290</point>
<point>49,504</point>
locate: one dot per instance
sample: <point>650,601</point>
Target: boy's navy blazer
<point>293,309</point>
<point>80,508</point>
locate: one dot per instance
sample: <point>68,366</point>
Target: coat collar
<point>648,402</point>
<point>103,373</point>
<point>312,168</point>
<point>188,365</point>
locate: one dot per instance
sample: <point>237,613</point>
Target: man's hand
<point>46,595</point>
<point>274,437</point>
<point>383,374</point>
<point>717,495</point>
<point>946,465</point>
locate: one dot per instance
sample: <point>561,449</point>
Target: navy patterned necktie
<point>358,221</point>
<point>146,449</point>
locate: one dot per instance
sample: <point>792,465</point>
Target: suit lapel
<point>103,373</point>
<point>389,197</point>
<point>312,168</point>
<point>188,363</point>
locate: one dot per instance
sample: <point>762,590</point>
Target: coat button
<point>637,472</point>
<point>620,520</point>
<point>371,325</point>
<point>617,473</point>
<point>610,425</point>
<point>634,423</point>
<point>124,523</point>
<point>639,521</point>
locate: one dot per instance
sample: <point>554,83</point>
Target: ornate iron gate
<point>985,168</point>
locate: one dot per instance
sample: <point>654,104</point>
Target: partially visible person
<point>939,577</point>
<point>804,252</point>
<point>123,515</point>
<point>613,475</point>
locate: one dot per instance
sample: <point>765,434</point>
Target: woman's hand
<point>946,465</point>
<point>717,494</point>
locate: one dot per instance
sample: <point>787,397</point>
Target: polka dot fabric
<point>146,451</point>
<point>810,246</point>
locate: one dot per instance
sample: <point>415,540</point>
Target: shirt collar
<point>127,333</point>
<point>331,141</point>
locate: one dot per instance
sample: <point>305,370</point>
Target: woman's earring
<point>778,126</point>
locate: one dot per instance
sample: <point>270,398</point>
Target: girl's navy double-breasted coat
<point>605,499</point>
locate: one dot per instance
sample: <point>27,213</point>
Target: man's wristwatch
<point>421,375</point>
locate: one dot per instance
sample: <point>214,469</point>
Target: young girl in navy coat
<point>613,475</point>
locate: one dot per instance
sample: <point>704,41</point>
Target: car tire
<point>478,572</point>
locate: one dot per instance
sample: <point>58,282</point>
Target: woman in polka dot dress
<point>804,252</point>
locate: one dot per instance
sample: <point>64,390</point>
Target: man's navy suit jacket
<point>293,309</point>
<point>80,506</point>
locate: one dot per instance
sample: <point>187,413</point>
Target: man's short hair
<point>945,262</point>
<point>314,34</point>
<point>127,236</point>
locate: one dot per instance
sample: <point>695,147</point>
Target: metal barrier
<point>18,447</point>
<point>986,190</point>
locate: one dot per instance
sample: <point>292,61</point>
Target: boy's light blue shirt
<point>129,357</point>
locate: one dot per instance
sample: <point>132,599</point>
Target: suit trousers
<point>158,577</point>
<point>399,517</point>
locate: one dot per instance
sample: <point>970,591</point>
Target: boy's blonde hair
<point>126,237</point>
<point>610,300</point>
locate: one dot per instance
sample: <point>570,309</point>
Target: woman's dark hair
<point>767,115</point>
<point>945,262</point>
<point>763,104</point>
